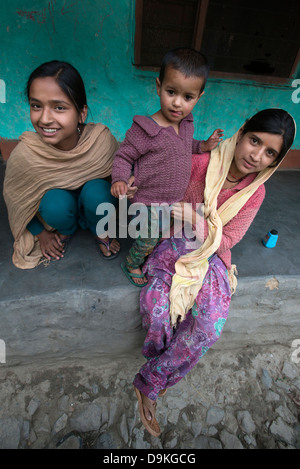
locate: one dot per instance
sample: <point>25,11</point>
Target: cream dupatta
<point>191,268</point>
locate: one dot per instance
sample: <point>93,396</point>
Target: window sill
<point>248,79</point>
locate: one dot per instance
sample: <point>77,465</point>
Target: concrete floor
<point>83,267</point>
<point>281,211</point>
<point>83,270</point>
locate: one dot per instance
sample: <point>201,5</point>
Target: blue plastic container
<point>270,239</point>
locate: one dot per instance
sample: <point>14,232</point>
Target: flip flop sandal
<point>66,243</point>
<point>131,276</point>
<point>150,425</point>
<point>107,245</point>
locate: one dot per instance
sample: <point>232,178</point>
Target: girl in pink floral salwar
<point>185,304</point>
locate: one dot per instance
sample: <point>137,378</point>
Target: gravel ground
<point>233,399</point>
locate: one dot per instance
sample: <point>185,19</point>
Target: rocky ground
<point>244,398</point>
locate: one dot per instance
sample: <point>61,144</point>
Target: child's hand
<point>119,189</point>
<point>212,141</point>
<point>131,189</point>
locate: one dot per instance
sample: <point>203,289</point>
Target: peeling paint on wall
<point>46,17</point>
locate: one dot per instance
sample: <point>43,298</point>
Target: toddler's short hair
<point>189,62</point>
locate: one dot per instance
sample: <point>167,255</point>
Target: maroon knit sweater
<point>161,159</point>
<point>236,228</point>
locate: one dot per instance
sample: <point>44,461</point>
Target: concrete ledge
<point>95,323</point>
<point>71,323</point>
<point>264,310</point>
<point>82,306</point>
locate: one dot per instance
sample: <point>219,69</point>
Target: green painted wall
<point>96,36</point>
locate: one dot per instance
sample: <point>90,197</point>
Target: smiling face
<point>254,152</point>
<point>53,114</point>
<point>178,96</point>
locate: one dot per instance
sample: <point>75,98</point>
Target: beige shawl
<point>34,167</point>
<point>191,268</point>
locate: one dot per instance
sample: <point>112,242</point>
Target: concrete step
<point>84,306</point>
<point>90,322</point>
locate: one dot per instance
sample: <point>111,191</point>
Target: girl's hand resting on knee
<point>51,245</point>
<point>183,211</point>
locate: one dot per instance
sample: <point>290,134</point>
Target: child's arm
<point>124,159</point>
<point>212,141</point>
<point>209,144</point>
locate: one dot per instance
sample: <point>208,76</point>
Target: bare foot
<point>63,238</point>
<point>138,271</point>
<point>114,246</point>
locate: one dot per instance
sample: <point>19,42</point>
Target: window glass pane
<point>165,25</point>
<point>255,37</point>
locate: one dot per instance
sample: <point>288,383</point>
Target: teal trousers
<point>66,210</point>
